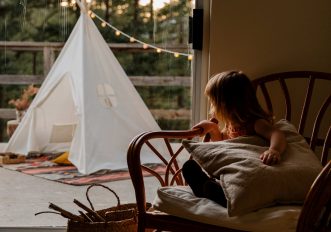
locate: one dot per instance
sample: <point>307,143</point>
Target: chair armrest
<point>172,174</point>
<point>316,210</point>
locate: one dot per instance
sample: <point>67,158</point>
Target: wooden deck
<point>24,195</point>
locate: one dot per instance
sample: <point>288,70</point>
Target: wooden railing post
<point>48,59</point>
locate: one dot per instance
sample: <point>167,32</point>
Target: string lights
<point>132,39</point>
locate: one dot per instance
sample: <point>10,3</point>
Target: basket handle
<point>93,185</point>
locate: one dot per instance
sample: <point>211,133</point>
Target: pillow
<point>181,202</point>
<point>249,184</point>
<point>62,133</point>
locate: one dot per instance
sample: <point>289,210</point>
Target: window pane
<point>149,41</point>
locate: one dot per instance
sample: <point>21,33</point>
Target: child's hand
<point>207,126</point>
<point>270,156</point>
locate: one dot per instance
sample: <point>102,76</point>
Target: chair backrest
<point>266,83</point>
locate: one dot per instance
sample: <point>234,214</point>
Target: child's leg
<point>194,176</point>
<point>214,191</point>
<point>201,184</point>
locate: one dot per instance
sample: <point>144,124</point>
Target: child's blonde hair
<point>233,98</point>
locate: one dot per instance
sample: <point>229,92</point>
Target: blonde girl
<point>233,101</point>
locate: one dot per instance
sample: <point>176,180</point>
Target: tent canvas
<point>86,105</point>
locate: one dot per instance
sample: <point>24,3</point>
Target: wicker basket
<point>11,158</point>
<point>120,218</point>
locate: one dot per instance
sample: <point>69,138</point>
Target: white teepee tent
<point>87,105</point>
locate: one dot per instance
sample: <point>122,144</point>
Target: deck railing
<point>49,51</point>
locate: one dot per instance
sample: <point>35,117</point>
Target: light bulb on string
<point>64,3</point>
<point>73,3</point>
<point>132,39</point>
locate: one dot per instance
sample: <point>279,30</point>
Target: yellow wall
<point>261,37</point>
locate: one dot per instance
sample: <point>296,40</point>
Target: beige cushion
<point>249,184</point>
<point>62,133</point>
<point>181,202</point>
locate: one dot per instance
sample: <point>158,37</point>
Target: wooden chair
<point>316,211</point>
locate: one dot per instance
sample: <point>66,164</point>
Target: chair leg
<point>141,227</point>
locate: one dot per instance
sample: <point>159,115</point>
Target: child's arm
<point>277,141</point>
<point>210,128</point>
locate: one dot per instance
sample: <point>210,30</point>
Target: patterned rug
<point>68,174</point>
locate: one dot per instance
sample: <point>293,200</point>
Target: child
<point>234,102</point>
